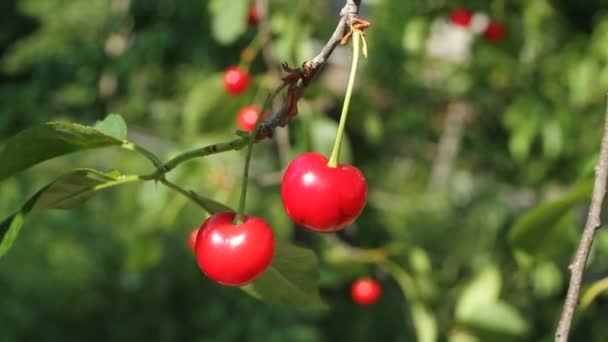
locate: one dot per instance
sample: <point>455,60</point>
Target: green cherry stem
<point>335,154</point>
<point>240,214</point>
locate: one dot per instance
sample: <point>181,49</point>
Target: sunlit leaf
<point>483,289</point>
<point>114,126</point>
<point>53,139</point>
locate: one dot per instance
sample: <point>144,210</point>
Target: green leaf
<point>292,278</point>
<point>229,19</point>
<point>425,323</point>
<point>498,317</point>
<point>483,289</point>
<point>530,230</point>
<point>65,192</point>
<point>53,139</point>
<point>114,126</point>
<point>210,205</point>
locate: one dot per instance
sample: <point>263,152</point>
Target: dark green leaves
<point>533,228</point>
<point>291,279</point>
<point>67,191</point>
<point>53,139</point>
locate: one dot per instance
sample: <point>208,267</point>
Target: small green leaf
<point>65,192</point>
<point>498,317</point>
<point>210,205</point>
<point>483,289</point>
<point>114,126</point>
<point>530,230</point>
<point>229,19</point>
<point>425,323</point>
<point>292,278</point>
<point>53,139</point>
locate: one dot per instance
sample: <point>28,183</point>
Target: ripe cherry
<point>494,32</point>
<point>247,117</point>
<point>253,16</point>
<point>192,239</point>
<point>366,291</point>
<point>322,198</point>
<point>236,80</point>
<point>234,254</point>
<point>461,17</point>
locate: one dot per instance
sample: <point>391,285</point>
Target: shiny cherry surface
<point>461,17</point>
<point>232,254</point>
<point>322,198</point>
<point>366,291</point>
<point>236,80</point>
<point>247,117</point>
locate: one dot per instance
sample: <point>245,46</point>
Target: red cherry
<point>192,239</point>
<point>234,254</point>
<point>247,117</point>
<point>322,198</point>
<point>253,16</point>
<point>366,291</point>
<point>494,32</point>
<point>236,80</point>
<point>461,17</point>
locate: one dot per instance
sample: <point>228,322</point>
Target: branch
<point>349,12</point>
<point>593,222</point>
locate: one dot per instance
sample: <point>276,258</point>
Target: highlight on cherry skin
<point>236,80</point>
<point>322,198</point>
<point>247,117</point>
<point>234,254</point>
<point>366,291</point>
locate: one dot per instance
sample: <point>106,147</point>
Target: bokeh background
<point>457,142</point>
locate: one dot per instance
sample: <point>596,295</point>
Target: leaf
<point>482,290</point>
<point>210,205</point>
<point>596,289</point>
<point>229,19</point>
<point>425,323</point>
<point>67,191</point>
<point>114,126</point>
<point>498,317</point>
<point>530,230</point>
<point>53,139</point>
<point>292,278</point>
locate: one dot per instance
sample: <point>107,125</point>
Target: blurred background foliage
<point>455,155</point>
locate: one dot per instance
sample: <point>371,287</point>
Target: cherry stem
<point>335,154</point>
<point>240,214</point>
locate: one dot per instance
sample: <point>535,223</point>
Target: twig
<point>265,35</point>
<point>593,222</point>
<point>348,13</point>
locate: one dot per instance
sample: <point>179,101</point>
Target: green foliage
<point>482,257</point>
<point>538,229</point>
<point>291,279</point>
<point>37,144</point>
<point>67,191</point>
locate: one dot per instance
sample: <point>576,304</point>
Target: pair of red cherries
<point>315,195</point>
